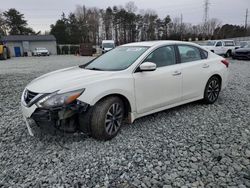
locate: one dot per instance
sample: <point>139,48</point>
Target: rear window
<point>229,43</point>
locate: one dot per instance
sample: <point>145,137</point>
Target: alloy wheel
<point>113,119</point>
<point>213,90</point>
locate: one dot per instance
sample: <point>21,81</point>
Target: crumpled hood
<point>66,79</point>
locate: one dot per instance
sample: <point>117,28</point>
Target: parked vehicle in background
<point>243,52</point>
<point>107,45</point>
<point>86,49</point>
<point>40,52</point>
<point>124,84</point>
<point>4,52</point>
<point>221,47</point>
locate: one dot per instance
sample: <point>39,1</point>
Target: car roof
<point>157,43</point>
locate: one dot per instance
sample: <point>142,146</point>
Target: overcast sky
<point>42,13</point>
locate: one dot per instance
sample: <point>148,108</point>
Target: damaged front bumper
<point>63,118</point>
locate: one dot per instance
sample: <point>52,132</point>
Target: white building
<point>20,45</point>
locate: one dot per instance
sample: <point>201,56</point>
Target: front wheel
<point>212,90</point>
<point>228,54</point>
<point>107,117</point>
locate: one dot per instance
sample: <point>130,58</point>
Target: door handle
<point>176,73</point>
<point>205,66</point>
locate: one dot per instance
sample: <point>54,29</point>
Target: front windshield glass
<point>244,45</point>
<point>119,58</point>
<point>108,45</point>
<point>210,43</point>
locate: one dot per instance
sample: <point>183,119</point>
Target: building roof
<point>15,38</point>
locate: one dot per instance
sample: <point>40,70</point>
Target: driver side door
<point>161,87</point>
<point>219,49</point>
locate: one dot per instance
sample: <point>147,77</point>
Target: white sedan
<point>124,84</point>
<point>40,52</point>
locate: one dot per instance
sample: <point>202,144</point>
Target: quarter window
<point>189,53</point>
<point>204,54</point>
<point>163,56</point>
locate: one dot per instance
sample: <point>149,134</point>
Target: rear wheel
<point>212,90</point>
<point>107,117</point>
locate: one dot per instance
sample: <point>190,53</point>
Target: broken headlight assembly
<point>56,100</point>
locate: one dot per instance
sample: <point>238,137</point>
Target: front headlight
<point>55,99</point>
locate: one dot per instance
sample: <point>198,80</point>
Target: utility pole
<point>246,18</point>
<point>181,26</point>
<point>206,12</point>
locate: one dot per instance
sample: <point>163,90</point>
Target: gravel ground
<point>193,145</point>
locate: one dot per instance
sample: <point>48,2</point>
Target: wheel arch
<point>127,105</point>
<point>218,76</point>
<point>214,75</point>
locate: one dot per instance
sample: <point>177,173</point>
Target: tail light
<point>225,62</point>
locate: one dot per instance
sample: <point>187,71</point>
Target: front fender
<point>96,91</point>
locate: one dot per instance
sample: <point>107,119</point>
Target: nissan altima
<point>126,83</point>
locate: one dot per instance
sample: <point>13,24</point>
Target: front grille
<point>29,96</point>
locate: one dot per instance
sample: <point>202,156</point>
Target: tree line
<point>12,22</point>
<point>126,24</point>
<point>123,24</point>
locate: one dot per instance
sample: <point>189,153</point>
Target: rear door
<point>156,89</point>
<point>195,70</point>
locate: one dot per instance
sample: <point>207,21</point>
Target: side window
<point>219,43</point>
<point>163,56</point>
<point>189,53</point>
<point>229,43</point>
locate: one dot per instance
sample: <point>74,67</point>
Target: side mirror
<point>147,66</point>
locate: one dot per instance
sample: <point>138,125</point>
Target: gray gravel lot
<point>194,145</point>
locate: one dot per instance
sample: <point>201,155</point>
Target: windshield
<point>244,45</point>
<point>117,59</point>
<point>210,43</point>
<point>108,45</point>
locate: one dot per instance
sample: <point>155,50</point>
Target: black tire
<point>228,54</point>
<point>212,90</point>
<point>107,117</point>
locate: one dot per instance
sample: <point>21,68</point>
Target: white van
<point>107,45</point>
